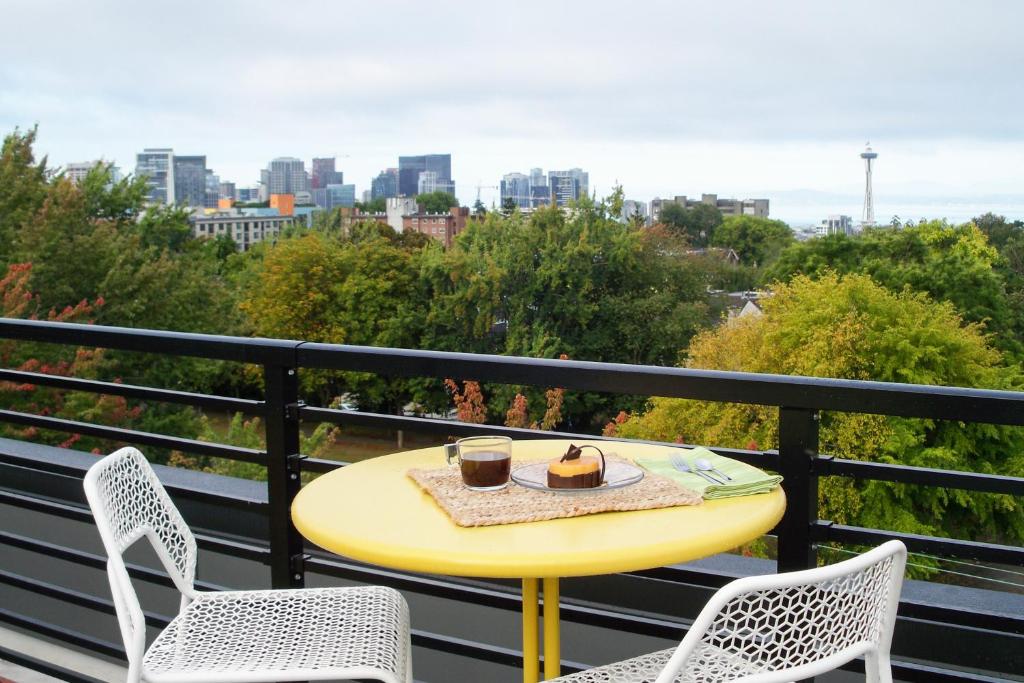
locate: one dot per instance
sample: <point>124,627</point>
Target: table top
<point>373,512</point>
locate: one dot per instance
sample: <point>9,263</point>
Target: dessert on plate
<point>575,470</point>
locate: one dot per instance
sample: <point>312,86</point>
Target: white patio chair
<point>262,635</point>
<point>782,627</point>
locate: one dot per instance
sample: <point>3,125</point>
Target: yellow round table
<point>371,511</point>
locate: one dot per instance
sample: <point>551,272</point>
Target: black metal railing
<point>799,400</point>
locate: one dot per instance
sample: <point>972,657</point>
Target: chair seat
<point>300,634</point>
<point>706,665</point>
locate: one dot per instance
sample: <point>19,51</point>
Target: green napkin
<point>746,479</point>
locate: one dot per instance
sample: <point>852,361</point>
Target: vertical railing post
<point>283,482</point>
<point>798,446</point>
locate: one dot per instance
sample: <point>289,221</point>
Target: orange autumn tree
<point>18,301</point>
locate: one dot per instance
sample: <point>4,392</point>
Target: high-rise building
<point>190,180</point>
<point>76,171</point>
<point>537,178</point>
<point>385,184</point>
<point>633,210</point>
<point>567,186</point>
<point>324,174</point>
<point>212,190</point>
<point>226,191</point>
<point>516,186</point>
<point>340,195</point>
<point>157,165</point>
<point>409,169</point>
<point>835,225</point>
<point>427,182</point>
<point>287,175</point>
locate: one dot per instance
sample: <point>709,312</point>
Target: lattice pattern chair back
<point>791,626</point>
<point>129,502</point>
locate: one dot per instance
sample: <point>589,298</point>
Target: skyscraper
<point>324,173</point>
<point>427,182</point>
<point>157,165</point>
<point>190,180</point>
<point>516,186</point>
<point>287,175</point>
<point>409,169</point>
<point>568,186</point>
<point>385,184</point>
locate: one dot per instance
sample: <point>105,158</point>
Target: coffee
<point>486,469</point>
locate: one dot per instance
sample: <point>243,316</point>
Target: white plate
<point>618,475</point>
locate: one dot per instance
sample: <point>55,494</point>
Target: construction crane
<point>484,187</point>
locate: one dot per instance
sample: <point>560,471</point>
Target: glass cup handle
<point>451,451</point>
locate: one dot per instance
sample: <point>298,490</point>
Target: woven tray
<point>515,504</point>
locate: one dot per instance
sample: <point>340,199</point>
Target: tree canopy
<point>697,223</point>
<point>847,326</point>
<point>950,263</point>
<point>436,202</point>
<point>757,241</point>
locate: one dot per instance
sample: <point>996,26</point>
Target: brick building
<point>440,226</point>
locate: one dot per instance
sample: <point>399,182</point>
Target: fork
<point>681,465</point>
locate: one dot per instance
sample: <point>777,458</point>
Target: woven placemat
<point>515,503</point>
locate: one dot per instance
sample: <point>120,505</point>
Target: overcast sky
<point>738,98</point>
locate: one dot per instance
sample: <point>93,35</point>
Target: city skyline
<point>780,101</point>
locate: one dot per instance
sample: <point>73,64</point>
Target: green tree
<point>378,205</point>
<point>850,327</point>
<point>508,206</point>
<point>357,292</point>
<point>757,241</point>
<point>697,223</point>
<point>584,285</point>
<point>479,210</point>
<point>950,263</point>
<point>23,188</point>
<point>436,202</point>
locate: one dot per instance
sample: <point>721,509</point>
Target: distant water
<point>798,213</point>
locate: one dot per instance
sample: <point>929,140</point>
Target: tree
<point>950,263</point>
<point>436,202</point>
<point>358,292</point>
<point>584,285</point>
<point>23,187</point>
<point>697,223</point>
<point>479,210</point>
<point>850,327</point>
<point>377,205</point>
<point>757,241</point>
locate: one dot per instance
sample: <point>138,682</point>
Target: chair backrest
<point>129,502</point>
<point>790,626</point>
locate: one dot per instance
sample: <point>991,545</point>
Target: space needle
<point>868,156</point>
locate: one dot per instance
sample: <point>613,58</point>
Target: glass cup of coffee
<point>485,461</point>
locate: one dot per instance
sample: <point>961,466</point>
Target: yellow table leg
<point>552,640</point>
<point>531,634</point>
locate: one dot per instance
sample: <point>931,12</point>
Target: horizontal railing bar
<point>489,597</point>
<point>321,465</point>
<point>933,545</point>
<point>44,667</point>
<point>906,474</point>
<point>74,597</point>
<point>242,405</point>
<point>204,541</point>
<point>312,414</point>
<point>67,635</point>
<point>76,472</point>
<point>135,437</point>
<point>95,561</point>
<point>793,391</point>
<point>922,673</point>
<point>969,618</point>
<point>474,650</point>
<point>217,347</point>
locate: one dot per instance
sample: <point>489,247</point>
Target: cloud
<point>533,83</point>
